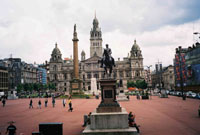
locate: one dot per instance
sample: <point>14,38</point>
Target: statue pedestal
<point>76,86</point>
<point>122,97</point>
<point>109,118</point>
<point>108,97</point>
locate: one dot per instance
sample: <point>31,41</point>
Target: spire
<point>135,41</point>
<point>95,14</point>
<point>56,45</point>
<point>75,34</point>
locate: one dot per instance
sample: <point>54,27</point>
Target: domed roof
<point>56,50</point>
<point>135,46</point>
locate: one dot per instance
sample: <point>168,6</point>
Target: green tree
<point>36,86</point>
<point>45,86</point>
<point>131,84</point>
<point>51,86</point>
<point>20,88</point>
<point>26,86</point>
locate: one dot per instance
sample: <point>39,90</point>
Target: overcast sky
<point>30,28</point>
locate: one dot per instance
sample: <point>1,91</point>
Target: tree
<point>51,86</point>
<point>138,84</point>
<point>36,86</point>
<point>20,88</point>
<point>26,86</point>
<point>130,84</point>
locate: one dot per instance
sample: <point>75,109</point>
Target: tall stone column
<point>75,49</point>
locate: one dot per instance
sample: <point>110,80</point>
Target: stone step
<point>128,131</point>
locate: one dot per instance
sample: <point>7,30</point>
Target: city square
<point>100,67</point>
<point>157,116</point>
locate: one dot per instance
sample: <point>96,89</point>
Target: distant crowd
<point>53,103</point>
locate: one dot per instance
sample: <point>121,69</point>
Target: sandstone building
<point>61,71</point>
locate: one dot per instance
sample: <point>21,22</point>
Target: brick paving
<point>156,116</point>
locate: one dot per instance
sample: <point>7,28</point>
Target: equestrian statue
<point>107,61</point>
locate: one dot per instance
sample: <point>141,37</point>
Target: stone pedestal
<point>76,86</point>
<point>109,118</point>
<point>114,120</point>
<point>94,86</point>
<point>122,97</point>
<point>108,97</point>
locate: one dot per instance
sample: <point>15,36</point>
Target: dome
<point>56,50</point>
<point>135,46</point>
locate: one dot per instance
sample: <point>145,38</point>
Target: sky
<point>29,29</point>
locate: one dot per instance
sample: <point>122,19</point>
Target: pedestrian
<point>31,104</point>
<point>46,102</point>
<point>128,97</point>
<point>39,104</point>
<point>4,102</point>
<point>138,96</point>
<point>87,119</point>
<point>11,129</point>
<point>70,105</point>
<point>132,123</point>
<point>64,102</point>
<point>53,102</point>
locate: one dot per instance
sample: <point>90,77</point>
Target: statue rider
<point>108,51</point>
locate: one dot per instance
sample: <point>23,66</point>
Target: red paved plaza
<point>170,116</point>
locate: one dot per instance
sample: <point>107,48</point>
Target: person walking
<point>70,105</point>
<point>4,102</point>
<point>31,104</point>
<point>64,102</point>
<point>39,104</point>
<point>46,102</point>
<point>53,102</point>
<point>11,129</point>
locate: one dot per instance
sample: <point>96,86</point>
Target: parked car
<point>198,96</point>
<point>193,95</point>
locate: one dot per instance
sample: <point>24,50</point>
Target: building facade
<point>19,72</point>
<point>187,68</point>
<point>3,79</point>
<point>168,77</point>
<point>61,71</point>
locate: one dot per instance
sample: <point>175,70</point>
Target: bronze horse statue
<point>107,62</point>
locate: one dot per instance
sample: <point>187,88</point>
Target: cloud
<point>29,29</point>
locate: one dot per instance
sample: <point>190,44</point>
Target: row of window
<point>96,44</point>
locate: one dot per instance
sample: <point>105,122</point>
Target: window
<point>65,76</point>
<point>127,74</point>
<point>54,67</point>
<point>55,77</point>
<point>121,74</point>
<point>137,73</point>
<point>88,75</point>
<point>96,75</point>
